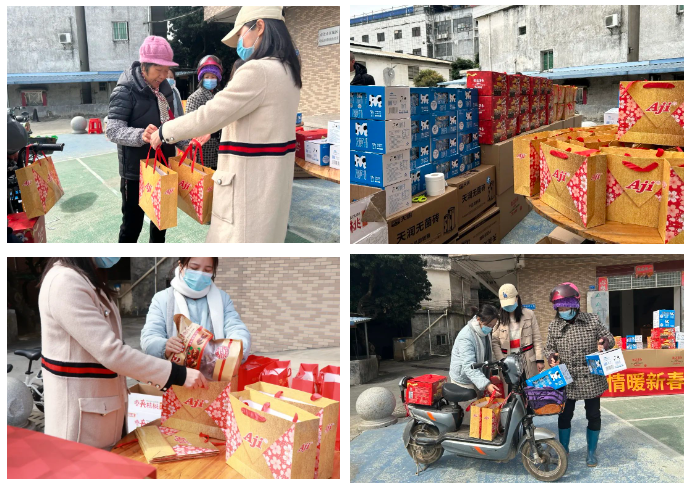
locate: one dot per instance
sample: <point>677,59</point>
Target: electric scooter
<point>436,428</point>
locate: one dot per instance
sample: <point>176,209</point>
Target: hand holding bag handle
<point>192,148</point>
<point>157,153</point>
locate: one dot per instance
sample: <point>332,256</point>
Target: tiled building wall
<point>287,303</point>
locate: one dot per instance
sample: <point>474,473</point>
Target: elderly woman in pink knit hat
<point>140,103</point>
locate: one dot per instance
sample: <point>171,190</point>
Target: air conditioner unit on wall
<point>65,38</point>
<point>612,21</point>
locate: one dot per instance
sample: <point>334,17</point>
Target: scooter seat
<point>457,393</point>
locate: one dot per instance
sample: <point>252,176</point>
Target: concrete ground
<point>529,230</point>
<point>641,439</point>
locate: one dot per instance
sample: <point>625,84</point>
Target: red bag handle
<point>587,152</point>
<point>679,149</point>
<point>581,139</point>
<point>658,85</point>
<point>35,155</point>
<point>253,415</point>
<point>158,153</point>
<point>190,149</point>
<point>198,147</point>
<point>205,438</point>
<point>635,167</point>
<point>315,397</point>
<point>558,154</point>
<point>295,418</point>
<point>265,407</point>
<point>279,394</point>
<point>660,152</point>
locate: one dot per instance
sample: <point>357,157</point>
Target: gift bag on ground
<point>39,185</point>
<point>251,370</point>
<point>526,161</point>
<point>195,184</point>
<point>327,411</point>
<point>574,184</point>
<point>306,378</point>
<point>277,372</point>
<point>270,439</point>
<point>159,191</point>
<point>484,418</point>
<point>651,112</point>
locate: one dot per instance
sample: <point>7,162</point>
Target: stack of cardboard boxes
<point>663,330</point>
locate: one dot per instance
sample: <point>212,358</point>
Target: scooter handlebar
<point>478,365</point>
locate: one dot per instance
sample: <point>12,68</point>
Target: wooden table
<point>200,468</point>
<point>322,172</point>
<point>611,232</point>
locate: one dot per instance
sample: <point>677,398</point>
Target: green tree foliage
<point>389,286</point>
<point>461,64</point>
<point>428,78</point>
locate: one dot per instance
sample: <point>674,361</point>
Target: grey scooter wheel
<point>554,460</point>
<point>425,455</point>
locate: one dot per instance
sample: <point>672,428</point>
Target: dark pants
<point>133,215</point>
<point>594,419</point>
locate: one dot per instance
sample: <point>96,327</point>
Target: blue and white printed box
<point>555,377</point>
<point>664,318</point>
<point>444,147</point>
<point>334,156</point>
<point>420,128</point>
<point>606,362</point>
<point>441,167</point>
<point>379,103</point>
<point>318,152</point>
<point>397,197</point>
<point>466,142</point>
<point>333,132</point>
<point>443,99</point>
<point>468,120</point>
<point>443,123</point>
<point>420,154</point>
<point>456,167</point>
<point>470,159</point>
<point>467,98</point>
<point>376,170</point>
<point>420,101</point>
<point>418,178</point>
<point>299,118</point>
<point>633,338</point>
<point>380,136</point>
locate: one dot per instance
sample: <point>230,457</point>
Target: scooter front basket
<point>545,401</point>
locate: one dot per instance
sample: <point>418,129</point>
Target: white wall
<point>407,44</point>
<point>376,64</point>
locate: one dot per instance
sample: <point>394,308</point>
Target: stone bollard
<point>20,403</point>
<point>375,406</point>
<point>79,125</point>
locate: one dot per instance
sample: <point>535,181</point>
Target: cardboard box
<point>418,178</point>
<point>420,154</point>
<point>523,103</point>
<point>488,83</point>
<point>466,142</point>
<point>318,152</point>
<point>492,108</point>
<point>379,103</point>
<point>606,362</point>
<point>442,166</point>
<point>303,136</point>
<point>664,318</point>
<point>492,132</point>
<point>611,116</point>
<point>420,101</point>
<point>513,85</point>
<point>485,229</point>
<point>670,358</point>
<point>522,123</point>
<point>378,236</point>
<point>679,336</point>
<point>433,220</point>
<point>641,358</point>
<point>510,128</point>
<point>634,346</point>
<point>380,136</point>
<point>378,170</point>
<point>443,147</point>
<point>334,156</point>
<point>443,123</point>
<point>533,103</point>
<point>500,155</point>
<point>633,338</point>
<point>425,389</point>
<point>555,377</point>
<point>455,168</point>
<point>144,405</point>
<point>513,208</point>
<point>476,192</point>
<point>561,236</point>
<point>663,344</point>
<point>366,211</point>
<point>420,128</point>
<point>333,132</point>
<point>467,98</point>
<point>443,99</point>
<point>468,121</point>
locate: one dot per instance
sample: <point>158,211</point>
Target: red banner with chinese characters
<point>603,283</point>
<point>645,382</point>
<point>644,270</point>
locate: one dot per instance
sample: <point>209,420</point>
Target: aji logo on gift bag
<point>659,107</point>
<point>196,403</point>
<point>560,175</point>
<point>305,447</point>
<point>644,186</point>
<point>255,441</point>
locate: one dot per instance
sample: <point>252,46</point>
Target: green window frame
<point>547,60</point>
<point>120,31</point>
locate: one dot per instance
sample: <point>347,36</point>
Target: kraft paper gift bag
<point>195,185</point>
<point>197,410</point>
<point>277,372</point>
<point>327,411</point>
<point>160,444</point>
<point>267,438</point>
<point>574,184</point>
<point>252,368</point>
<point>158,192</point>
<point>306,378</point>
<point>526,161</point>
<point>484,418</point>
<point>674,157</point>
<point>651,112</point>
<point>39,185</point>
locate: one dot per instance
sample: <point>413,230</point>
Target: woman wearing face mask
<point>177,101</point>
<point>85,362</point>
<point>193,294</point>
<point>573,335</point>
<point>517,332</point>
<point>256,113</point>
<point>473,345</point>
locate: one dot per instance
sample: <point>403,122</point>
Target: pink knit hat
<point>156,50</point>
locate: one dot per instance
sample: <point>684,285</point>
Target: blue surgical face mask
<point>106,262</point>
<point>567,315</point>
<point>209,84</point>
<point>243,52</point>
<point>197,280</point>
<point>511,307</point>
<point>171,81</point>
<point>486,330</point>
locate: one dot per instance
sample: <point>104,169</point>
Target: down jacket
<point>471,346</point>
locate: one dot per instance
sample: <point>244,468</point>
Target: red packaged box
<point>425,389</point>
<point>27,230</point>
<point>303,136</point>
<point>548,84</point>
<point>660,344</point>
<point>491,132</point>
<point>544,116</point>
<point>513,85</point>
<point>533,102</point>
<point>510,127</point>
<point>534,86</point>
<point>663,333</point>
<point>524,84</point>
<point>524,104</point>
<point>534,120</point>
<point>513,107</point>
<point>492,108</point>
<point>488,83</point>
<point>522,123</point>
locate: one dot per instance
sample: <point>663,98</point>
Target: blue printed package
<point>420,128</point>
<point>555,377</point>
<point>442,166</point>
<point>456,167</point>
<point>420,101</point>
<point>466,142</point>
<point>299,118</point>
<point>468,121</point>
<point>664,318</point>
<point>318,152</point>
<point>378,170</point>
<point>443,99</point>
<point>420,154</point>
<point>443,123</point>
<point>606,362</point>
<point>380,136</point>
<point>379,103</point>
<point>634,338</point>
<point>443,147</point>
<point>467,98</point>
<point>418,178</point>
<point>471,158</point>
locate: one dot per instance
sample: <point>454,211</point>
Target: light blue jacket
<point>470,347</point>
<point>154,333</point>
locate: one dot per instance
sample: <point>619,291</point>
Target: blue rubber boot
<point>564,438</point>
<point>592,439</point>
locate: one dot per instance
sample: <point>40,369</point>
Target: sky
<point>361,9</point>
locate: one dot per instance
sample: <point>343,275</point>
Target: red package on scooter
<point>250,371</point>
<point>306,378</point>
<point>277,373</point>
<point>425,389</point>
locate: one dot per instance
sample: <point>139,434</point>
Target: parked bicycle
<point>34,383</point>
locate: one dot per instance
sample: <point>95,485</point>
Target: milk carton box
<point>467,98</point>
<point>334,156</point>
<point>379,170</point>
<point>379,103</point>
<point>443,147</point>
<point>443,123</point>
<point>555,377</point>
<point>664,318</point>
<point>380,136</point>
<point>420,128</point>
<point>418,178</point>
<point>606,362</point>
<point>420,101</point>
<point>468,121</point>
<point>420,154</point>
<point>333,132</point>
<point>443,99</point>
<point>318,152</point>
<point>466,142</point>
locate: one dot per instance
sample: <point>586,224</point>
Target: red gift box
<point>663,333</point>
<point>425,389</point>
<point>303,136</point>
<point>534,120</point>
<point>306,378</point>
<point>513,85</point>
<point>251,369</point>
<point>488,83</point>
<point>534,86</point>
<point>492,108</point>
<point>524,104</point>
<point>492,132</point>
<point>522,123</point>
<point>524,84</point>
<point>513,107</point>
<point>510,127</point>
<point>533,103</point>
<point>663,344</point>
<point>28,230</point>
<point>548,86</point>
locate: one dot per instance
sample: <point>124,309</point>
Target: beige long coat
<point>79,326</point>
<point>530,335</point>
<point>256,113</point>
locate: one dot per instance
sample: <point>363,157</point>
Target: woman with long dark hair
<point>256,113</point>
<point>85,361</point>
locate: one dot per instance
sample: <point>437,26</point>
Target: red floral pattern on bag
<point>156,202</point>
<point>317,450</point>
<point>533,166</point>
<point>170,404</point>
<point>544,172</point>
<point>613,188</point>
<point>577,186</point>
<point>141,182</point>
<point>280,454</point>
<point>53,176</point>
<point>233,434</point>
<point>167,431</point>
<point>674,224</point>
<point>219,408</point>
<point>197,198</point>
<point>42,188</point>
<point>678,115</point>
<point>189,450</point>
<point>628,110</point>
